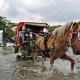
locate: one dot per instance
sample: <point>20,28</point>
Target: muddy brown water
<point>13,69</point>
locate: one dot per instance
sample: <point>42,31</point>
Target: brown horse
<point>75,42</point>
<point>57,43</point>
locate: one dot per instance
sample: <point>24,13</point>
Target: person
<point>21,34</point>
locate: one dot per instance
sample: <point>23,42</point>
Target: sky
<point>44,11</point>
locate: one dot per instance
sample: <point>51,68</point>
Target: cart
<point>24,38</point>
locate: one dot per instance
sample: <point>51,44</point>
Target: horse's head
<point>75,41</point>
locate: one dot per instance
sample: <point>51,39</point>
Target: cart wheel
<point>16,49</point>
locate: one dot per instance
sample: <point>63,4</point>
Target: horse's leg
<point>52,59</point>
<point>69,59</point>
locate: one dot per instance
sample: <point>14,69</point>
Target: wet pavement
<point>13,69</point>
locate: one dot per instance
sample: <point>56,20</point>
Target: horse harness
<point>46,51</point>
<point>78,37</point>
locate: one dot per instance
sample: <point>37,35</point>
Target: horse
<point>57,43</point>
<point>75,42</point>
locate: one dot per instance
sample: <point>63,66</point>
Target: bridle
<point>78,38</point>
<point>69,35</point>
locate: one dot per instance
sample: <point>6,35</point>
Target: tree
<point>9,34</point>
<point>51,28</point>
<point>6,26</point>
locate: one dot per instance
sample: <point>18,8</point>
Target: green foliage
<point>2,23</point>
<point>9,34</point>
<point>51,28</point>
<point>78,22</point>
<point>6,26</point>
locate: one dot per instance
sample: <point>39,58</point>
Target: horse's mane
<point>59,33</point>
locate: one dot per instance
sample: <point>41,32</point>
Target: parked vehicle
<point>9,44</point>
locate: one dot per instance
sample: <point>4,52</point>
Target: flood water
<point>13,69</point>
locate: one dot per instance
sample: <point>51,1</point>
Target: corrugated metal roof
<point>31,25</point>
<point>45,25</point>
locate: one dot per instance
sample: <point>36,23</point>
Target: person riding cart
<point>25,34</point>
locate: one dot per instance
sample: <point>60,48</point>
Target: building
<point>1,37</point>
